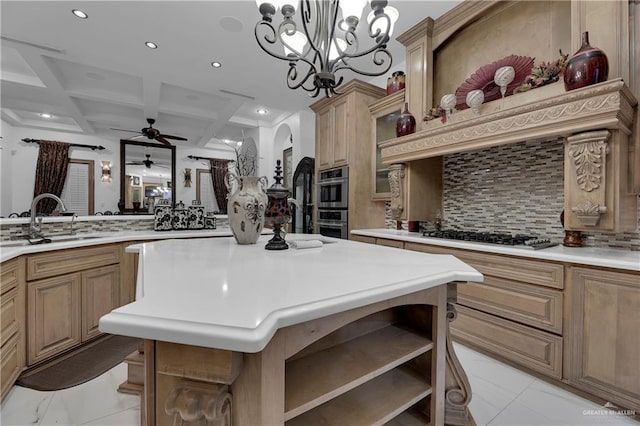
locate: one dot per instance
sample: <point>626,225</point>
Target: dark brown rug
<point>90,362</point>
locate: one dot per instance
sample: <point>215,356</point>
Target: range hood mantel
<point>547,112</point>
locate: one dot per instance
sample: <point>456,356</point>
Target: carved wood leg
<point>457,387</point>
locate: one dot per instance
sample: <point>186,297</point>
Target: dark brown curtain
<point>51,172</point>
<point>219,169</point>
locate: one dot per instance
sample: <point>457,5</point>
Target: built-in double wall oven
<point>333,202</point>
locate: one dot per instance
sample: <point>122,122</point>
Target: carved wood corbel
<point>396,183</point>
<point>198,404</point>
<point>587,154</point>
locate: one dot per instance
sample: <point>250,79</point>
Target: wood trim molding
<point>550,113</point>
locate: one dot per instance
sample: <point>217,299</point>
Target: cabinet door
<point>53,316</point>
<point>340,130</point>
<point>100,295</point>
<point>324,144</point>
<point>604,342</point>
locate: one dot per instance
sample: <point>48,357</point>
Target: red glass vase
<point>395,82</point>
<point>589,65</point>
<point>406,123</point>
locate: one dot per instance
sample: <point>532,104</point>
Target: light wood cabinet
<point>53,316</point>
<point>343,138</point>
<point>575,324</point>
<point>68,291</point>
<point>603,351</point>
<point>516,313</point>
<point>100,295</point>
<point>333,131</point>
<point>12,323</point>
<point>384,115</point>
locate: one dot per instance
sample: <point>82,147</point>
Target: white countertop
<point>92,239</point>
<point>608,258</point>
<point>216,293</point>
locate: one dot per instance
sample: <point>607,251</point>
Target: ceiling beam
<point>53,82</point>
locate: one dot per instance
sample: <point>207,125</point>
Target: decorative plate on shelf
<point>483,79</point>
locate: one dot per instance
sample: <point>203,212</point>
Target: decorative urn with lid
<point>278,212</point>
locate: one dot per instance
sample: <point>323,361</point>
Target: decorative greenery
<point>544,73</point>
<point>436,112</point>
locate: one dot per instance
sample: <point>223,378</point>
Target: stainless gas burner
<point>521,241</point>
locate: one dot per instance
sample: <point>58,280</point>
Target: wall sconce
<point>187,178</point>
<point>106,171</point>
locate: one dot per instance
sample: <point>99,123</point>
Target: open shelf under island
<point>348,333</point>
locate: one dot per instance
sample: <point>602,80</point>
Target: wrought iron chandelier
<point>328,42</point>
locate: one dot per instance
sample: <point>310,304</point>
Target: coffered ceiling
<point>95,74</point>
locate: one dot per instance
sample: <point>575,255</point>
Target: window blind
<point>207,196</point>
<point>75,194</point>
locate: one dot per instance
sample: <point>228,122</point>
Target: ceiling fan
<point>153,133</point>
<point>147,162</point>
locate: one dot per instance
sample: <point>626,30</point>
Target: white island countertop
<point>215,293</point>
<point>591,256</point>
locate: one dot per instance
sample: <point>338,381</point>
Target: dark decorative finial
<point>277,177</point>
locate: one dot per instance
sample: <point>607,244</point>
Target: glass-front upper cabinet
<point>384,114</point>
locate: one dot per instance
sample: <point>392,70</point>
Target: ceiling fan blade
<point>178,138</point>
<point>124,130</point>
<point>159,138</point>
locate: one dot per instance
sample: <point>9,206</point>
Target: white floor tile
<point>488,399</point>
<point>502,395</point>
<point>516,414</point>
<point>130,417</point>
<point>90,401</point>
<point>481,366</point>
<point>24,406</point>
<point>566,407</point>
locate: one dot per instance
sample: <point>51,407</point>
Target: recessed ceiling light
<point>262,111</point>
<point>216,64</point>
<point>150,45</point>
<point>80,14</point>
<point>45,115</point>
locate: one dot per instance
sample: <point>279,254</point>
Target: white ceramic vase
<point>246,206</point>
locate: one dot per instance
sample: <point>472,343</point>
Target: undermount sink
<point>48,240</point>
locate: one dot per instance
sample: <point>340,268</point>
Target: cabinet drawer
<point>363,239</point>
<point>512,268</point>
<point>389,243</point>
<point>10,365</point>
<point>534,349</point>
<point>532,305</point>
<point>9,311</point>
<point>66,261</point>
<point>9,275</point>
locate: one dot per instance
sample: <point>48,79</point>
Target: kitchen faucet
<point>34,229</point>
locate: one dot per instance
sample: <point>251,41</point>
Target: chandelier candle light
<point>324,41</point>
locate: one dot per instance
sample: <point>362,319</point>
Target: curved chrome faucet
<point>34,230</point>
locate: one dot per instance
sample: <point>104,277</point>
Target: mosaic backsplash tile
<point>8,232</point>
<point>516,188</point>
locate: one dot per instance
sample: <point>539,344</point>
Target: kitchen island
<point>345,333</point>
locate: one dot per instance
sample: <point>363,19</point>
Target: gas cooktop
<point>524,241</point>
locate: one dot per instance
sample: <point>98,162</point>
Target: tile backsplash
<point>516,188</point>
<point>119,224</point>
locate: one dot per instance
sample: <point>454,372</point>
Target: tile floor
<point>502,396</point>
